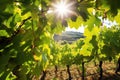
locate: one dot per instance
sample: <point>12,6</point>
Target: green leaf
<point>86,49</point>
<point>92,21</point>
<point>10,8</point>
<point>3,33</point>
<point>76,24</point>
<point>107,50</point>
<point>94,42</point>
<point>3,62</point>
<point>4,3</point>
<point>17,18</point>
<point>38,69</point>
<point>117,18</point>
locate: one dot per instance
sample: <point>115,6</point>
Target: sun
<point>63,9</point>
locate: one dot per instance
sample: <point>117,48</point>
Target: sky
<point>80,29</point>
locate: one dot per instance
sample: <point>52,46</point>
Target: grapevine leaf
<point>17,18</point>
<point>93,21</point>
<point>79,21</point>
<point>3,33</point>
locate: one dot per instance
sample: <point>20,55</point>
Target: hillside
<point>68,36</point>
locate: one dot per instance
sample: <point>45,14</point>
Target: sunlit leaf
<point>77,23</point>
<point>117,19</point>
<point>3,33</point>
<point>93,21</point>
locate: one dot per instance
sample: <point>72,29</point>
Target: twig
<point>19,27</point>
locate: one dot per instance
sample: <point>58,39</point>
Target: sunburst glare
<point>63,8</point>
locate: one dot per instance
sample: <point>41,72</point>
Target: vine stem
<point>118,66</point>
<point>68,71</point>
<point>19,27</point>
<point>43,75</point>
<point>56,70</point>
<point>83,71</point>
<point>101,70</point>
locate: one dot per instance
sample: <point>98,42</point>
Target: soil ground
<point>91,72</point>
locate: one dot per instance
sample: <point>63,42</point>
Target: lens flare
<point>63,9</point>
